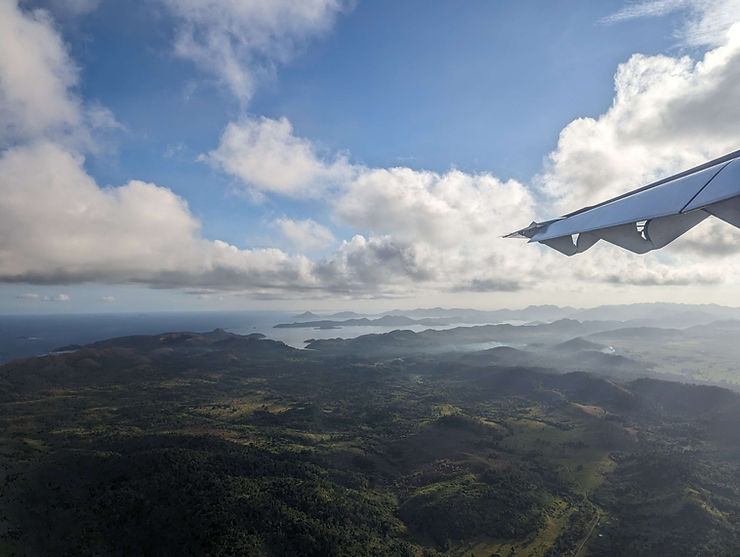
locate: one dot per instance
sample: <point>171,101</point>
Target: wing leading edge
<point>649,217</point>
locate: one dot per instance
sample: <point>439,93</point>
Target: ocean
<point>34,335</point>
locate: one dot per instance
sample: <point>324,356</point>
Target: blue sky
<point>221,154</point>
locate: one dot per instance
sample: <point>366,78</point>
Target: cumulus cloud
<point>37,83</point>
<point>241,41</point>
<point>611,265</point>
<point>36,75</point>
<point>266,156</point>
<point>668,114</point>
<point>306,235</point>
<point>58,226</point>
<point>412,226</point>
<point>712,238</point>
<point>378,265</point>
<point>706,24</point>
<point>449,224</point>
<point>441,209</point>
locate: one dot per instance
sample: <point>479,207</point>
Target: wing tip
<point>528,232</point>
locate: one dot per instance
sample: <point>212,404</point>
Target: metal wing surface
<point>649,217</point>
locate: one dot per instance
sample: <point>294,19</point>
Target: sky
<point>331,154</point>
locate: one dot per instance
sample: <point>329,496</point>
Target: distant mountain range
<point>385,321</point>
<point>649,314</point>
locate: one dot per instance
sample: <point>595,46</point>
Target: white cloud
<point>668,114</point>
<point>58,226</point>
<point>442,228</point>
<point>378,265</point>
<point>435,208</point>
<point>108,299</point>
<point>707,23</point>
<point>37,82</point>
<point>413,226</point>
<point>266,156</point>
<point>306,235</point>
<point>36,75</point>
<point>241,41</point>
<point>650,8</point>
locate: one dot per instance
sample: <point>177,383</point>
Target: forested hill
<point>404,341</point>
<point>219,444</point>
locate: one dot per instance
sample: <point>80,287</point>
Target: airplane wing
<point>649,217</point>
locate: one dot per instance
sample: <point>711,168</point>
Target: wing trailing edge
<point>649,217</point>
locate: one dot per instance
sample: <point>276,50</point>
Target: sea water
<point>34,335</point>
